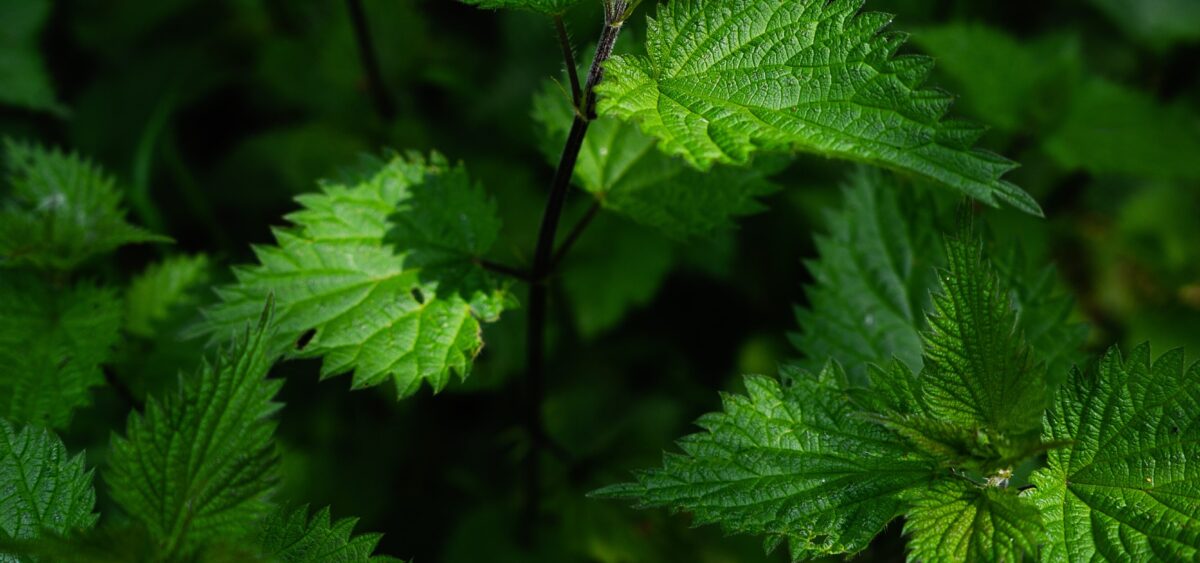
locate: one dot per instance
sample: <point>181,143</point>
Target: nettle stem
<point>370,62</point>
<point>544,262</point>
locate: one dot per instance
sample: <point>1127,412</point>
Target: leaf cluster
<point>821,462</point>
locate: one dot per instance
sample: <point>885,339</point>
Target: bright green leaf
<point>1127,488</point>
<point>162,288</point>
<point>722,80</point>
<point>791,461</point>
<point>619,166</point>
<point>60,210</point>
<point>379,278</point>
<point>959,521</point>
<point>43,490</point>
<point>199,465</point>
<point>52,342</point>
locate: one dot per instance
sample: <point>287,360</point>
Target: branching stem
<point>564,41</point>
<point>543,267</point>
<point>575,233</point>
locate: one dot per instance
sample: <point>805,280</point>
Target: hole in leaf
<point>305,338</point>
<point>418,296</point>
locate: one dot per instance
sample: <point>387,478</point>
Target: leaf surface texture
<point>43,489</point>
<point>959,521</point>
<point>724,80</point>
<point>378,277</point>
<point>789,460</point>
<point>199,465</point>
<point>1126,488</point>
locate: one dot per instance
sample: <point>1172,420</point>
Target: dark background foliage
<point>214,114</point>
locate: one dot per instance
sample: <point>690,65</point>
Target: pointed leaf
<point>877,266</point>
<point>60,210</point>
<point>199,465</point>
<point>290,536</point>
<point>978,369</point>
<point>43,490</point>
<point>790,461</point>
<point>872,281</point>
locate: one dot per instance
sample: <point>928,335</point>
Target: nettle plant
<point>941,379</point>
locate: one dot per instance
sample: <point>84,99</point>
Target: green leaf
<point>1026,81</point>
<point>161,289</point>
<point>615,267</point>
<point>60,210</point>
<point>723,80</point>
<point>543,6</point>
<point>43,490</point>
<point>619,166</point>
<point>1111,129</point>
<point>1086,122</point>
<point>24,81</point>
<point>200,464</point>
<point>872,281</point>
<point>52,342</point>
<point>877,265</point>
<point>290,536</point>
<point>978,369</point>
<point>955,520</point>
<point>1044,310</point>
<point>1127,488</point>
<point>1157,23</point>
<point>401,299</point>
<point>793,462</point>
